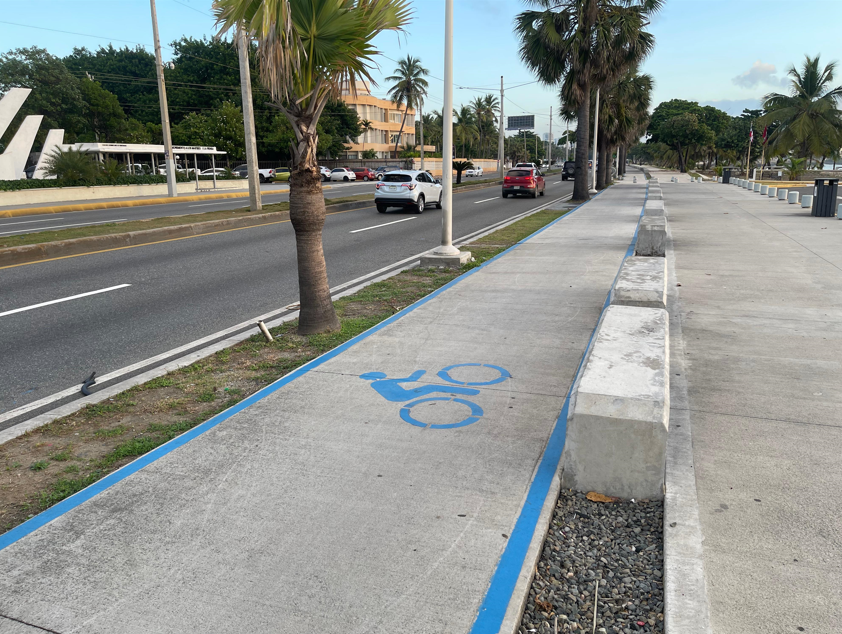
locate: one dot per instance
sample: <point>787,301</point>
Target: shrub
<point>71,166</point>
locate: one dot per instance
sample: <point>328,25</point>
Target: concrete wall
<point>102,192</point>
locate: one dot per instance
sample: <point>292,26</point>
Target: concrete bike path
<point>338,500</point>
<point>760,307</point>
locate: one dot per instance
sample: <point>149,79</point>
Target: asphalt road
<point>272,193</point>
<point>187,289</point>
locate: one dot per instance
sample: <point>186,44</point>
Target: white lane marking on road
<point>78,224</point>
<point>556,182</point>
<point>208,204</point>
<point>26,222</point>
<point>383,225</point>
<point>486,200</point>
<point>64,299</point>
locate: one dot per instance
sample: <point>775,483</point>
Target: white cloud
<point>759,73</point>
<point>734,107</point>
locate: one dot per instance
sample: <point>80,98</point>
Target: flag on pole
<point>751,135</point>
<point>765,135</point>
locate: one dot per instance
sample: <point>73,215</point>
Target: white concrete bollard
<point>782,194</point>
<point>641,282</point>
<point>748,185</point>
<point>718,179</point>
<point>773,191</point>
<point>651,236</point>
<point>807,201</point>
<point>634,179</point>
<point>757,187</point>
<point>792,198</point>
<point>764,190</point>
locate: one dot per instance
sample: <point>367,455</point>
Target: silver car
<point>410,189</point>
<point>342,174</point>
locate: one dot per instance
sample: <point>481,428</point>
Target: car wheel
<point>535,193</point>
<point>542,192</point>
<point>505,195</point>
<point>382,209</point>
<point>419,205</point>
<point>345,178</point>
<point>365,178</point>
<point>380,177</point>
<point>262,178</point>
<point>438,204</point>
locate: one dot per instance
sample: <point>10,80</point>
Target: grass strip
<point>48,464</point>
<point>111,228</point>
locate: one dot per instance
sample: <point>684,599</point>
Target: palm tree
<point>307,50</point>
<point>410,88</point>
<point>365,126</point>
<point>464,128</point>
<point>579,45</point>
<point>624,114</point>
<point>808,117</point>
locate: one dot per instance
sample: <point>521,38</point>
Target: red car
<point>364,174</point>
<point>526,181</point>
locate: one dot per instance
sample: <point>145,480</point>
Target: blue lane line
<point>493,608</point>
<point>111,479</point>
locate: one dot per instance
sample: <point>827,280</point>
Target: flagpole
<point>763,153</point>
<point>748,154</point>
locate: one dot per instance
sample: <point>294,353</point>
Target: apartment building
<point>385,120</point>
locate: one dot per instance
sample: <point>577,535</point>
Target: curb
<point>15,256</point>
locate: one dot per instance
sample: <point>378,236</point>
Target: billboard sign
<point>522,122</point>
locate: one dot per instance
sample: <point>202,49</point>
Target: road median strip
<point>45,246</point>
<point>52,462</point>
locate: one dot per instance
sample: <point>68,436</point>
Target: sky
<point>726,53</point>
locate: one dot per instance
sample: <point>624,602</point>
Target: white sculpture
<point>13,160</point>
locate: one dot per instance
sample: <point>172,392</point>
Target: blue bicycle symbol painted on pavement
<point>393,391</point>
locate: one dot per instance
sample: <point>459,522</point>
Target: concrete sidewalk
<point>337,499</point>
<point>760,307</point>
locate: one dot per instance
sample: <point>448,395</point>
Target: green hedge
<point>149,179</point>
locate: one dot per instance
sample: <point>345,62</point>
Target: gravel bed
<point>619,544</point>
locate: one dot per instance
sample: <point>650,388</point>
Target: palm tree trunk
<point>580,180</point>
<point>403,122</point>
<point>307,215</point>
<point>680,159</point>
<point>602,170</point>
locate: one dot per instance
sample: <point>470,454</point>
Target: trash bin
<point>726,176</point>
<point>824,197</point>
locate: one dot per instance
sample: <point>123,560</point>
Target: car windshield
<point>519,173</point>
<point>397,178</point>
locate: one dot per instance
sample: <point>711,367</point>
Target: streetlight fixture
<point>446,254</point>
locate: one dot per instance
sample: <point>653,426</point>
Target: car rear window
<point>397,178</point>
<point>519,173</point>
<point>569,164</point>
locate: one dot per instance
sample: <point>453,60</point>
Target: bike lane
<point>374,490</point>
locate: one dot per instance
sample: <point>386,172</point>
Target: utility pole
<point>169,159</point>
<point>255,200</point>
<point>550,146</point>
<point>501,145</point>
<point>446,254</point>
<point>421,123</point>
<point>595,137</point>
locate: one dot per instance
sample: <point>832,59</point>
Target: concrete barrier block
<point>641,282</point>
<point>619,411</point>
<point>651,237</point>
<point>757,187</point>
<point>792,198</point>
<point>782,194</point>
<point>773,191</point>
<point>654,208</point>
<point>807,201</point>
<point>764,190</point>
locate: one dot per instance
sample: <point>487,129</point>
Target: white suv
<point>405,188</point>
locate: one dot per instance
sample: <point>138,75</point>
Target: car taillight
<point>508,178</point>
<point>530,181</point>
<point>409,186</point>
<point>377,186</point>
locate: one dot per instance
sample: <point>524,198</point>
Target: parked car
<point>342,174</point>
<point>162,169</point>
<point>568,171</point>
<point>364,174</point>
<point>411,189</point>
<point>220,171</point>
<point>282,174</point>
<point>532,165</point>
<point>523,181</point>
<point>473,171</point>
<point>325,172</point>
<point>385,169</point>
<point>29,172</point>
<point>265,175</point>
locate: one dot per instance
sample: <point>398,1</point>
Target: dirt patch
<point>53,462</point>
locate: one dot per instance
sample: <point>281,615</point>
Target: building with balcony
<point>385,117</point>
